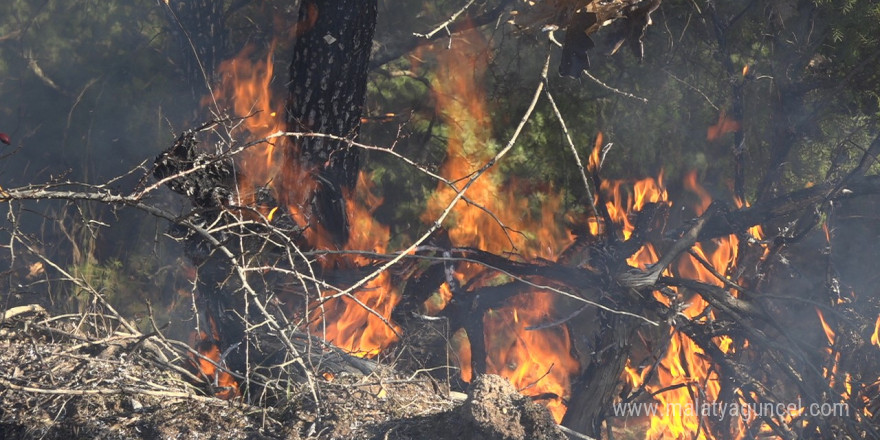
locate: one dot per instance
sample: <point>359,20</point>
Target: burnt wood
<point>208,188</point>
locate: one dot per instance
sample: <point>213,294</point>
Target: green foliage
<point>87,91</point>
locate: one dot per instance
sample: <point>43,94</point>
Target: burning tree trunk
<point>326,92</point>
<point>328,82</point>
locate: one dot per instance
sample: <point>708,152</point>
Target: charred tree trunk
<point>328,81</point>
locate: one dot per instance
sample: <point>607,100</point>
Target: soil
<point>88,376</point>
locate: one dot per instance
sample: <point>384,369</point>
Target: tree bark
<point>597,386</point>
<point>328,81</point>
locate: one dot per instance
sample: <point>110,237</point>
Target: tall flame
<point>360,322</point>
<point>346,321</point>
<point>538,362</point>
<point>245,88</point>
<point>829,332</point>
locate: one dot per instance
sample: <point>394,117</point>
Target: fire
<point>685,370</point>
<point>345,322</point>
<point>622,202</point>
<point>538,362</point>
<point>724,125</point>
<point>834,355</point>
<point>461,99</point>
<point>690,183</point>
<point>633,377</point>
<point>757,232</point>
<point>595,157</point>
<point>246,89</point>
<point>829,332</point>
<point>224,385</point>
<point>875,338</point>
<point>531,360</point>
<point>359,323</point>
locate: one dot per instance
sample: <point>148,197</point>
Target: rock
<point>494,410</point>
<point>135,405</point>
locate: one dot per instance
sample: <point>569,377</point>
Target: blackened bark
<point>575,50</point>
<point>328,81</point>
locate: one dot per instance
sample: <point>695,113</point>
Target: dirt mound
<point>496,411</point>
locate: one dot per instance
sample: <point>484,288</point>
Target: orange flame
<point>690,183</point>
<point>225,386</point>
<point>829,332</point>
<point>246,87</point>
<point>723,126</point>
<point>345,320</point>
<point>622,202</point>
<point>834,359</point>
<point>685,369</point>
<point>536,361</point>
<point>595,158</point>
<point>875,338</point>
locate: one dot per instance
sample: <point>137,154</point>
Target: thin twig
<point>112,391</point>
<point>618,91</point>
<point>445,25</point>
<point>577,157</point>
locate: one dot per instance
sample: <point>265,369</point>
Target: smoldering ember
<point>495,219</point>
